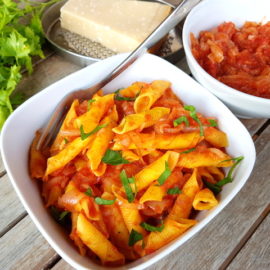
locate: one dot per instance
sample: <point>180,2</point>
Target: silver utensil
<point>49,131</point>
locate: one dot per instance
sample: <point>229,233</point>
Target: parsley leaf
<point>194,116</point>
<point>95,130</point>
<point>173,191</point>
<point>167,172</point>
<point>126,184</point>
<point>151,228</point>
<point>101,201</point>
<point>134,237</point>
<point>114,158</point>
<point>180,120</point>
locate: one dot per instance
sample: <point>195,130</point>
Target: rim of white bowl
<point>226,88</point>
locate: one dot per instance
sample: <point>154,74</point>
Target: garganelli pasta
<point>127,171</point>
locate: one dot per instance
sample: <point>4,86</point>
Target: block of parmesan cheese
<point>120,25</point>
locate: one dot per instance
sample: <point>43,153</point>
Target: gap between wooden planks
<point>257,250</point>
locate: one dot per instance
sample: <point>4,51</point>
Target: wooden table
<point>238,238</point>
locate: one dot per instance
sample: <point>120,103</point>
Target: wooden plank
<point>11,209</point>
<point>256,253</point>
<point>24,248</point>
<point>253,125</point>
<point>51,70</point>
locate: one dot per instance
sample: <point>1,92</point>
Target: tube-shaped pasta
<point>193,185</point>
<point>183,204</point>
<point>204,200</point>
<point>216,137</point>
<point>67,154</point>
<point>172,229</point>
<point>147,98</point>
<point>131,216</point>
<point>141,120</point>
<point>159,141</point>
<point>129,155</point>
<point>100,144</point>
<point>73,235</point>
<point>75,201</point>
<point>98,108</point>
<point>217,172</point>
<point>204,158</point>
<point>67,124</point>
<point>133,90</point>
<point>153,193</point>
<point>156,192</point>
<point>117,228</point>
<point>206,175</point>
<point>152,172</point>
<point>98,243</point>
<point>37,164</point>
<point>181,208</point>
<point>53,196</point>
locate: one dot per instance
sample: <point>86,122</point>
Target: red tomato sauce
<point>238,57</point>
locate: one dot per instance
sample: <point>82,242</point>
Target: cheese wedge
<point>120,25</point>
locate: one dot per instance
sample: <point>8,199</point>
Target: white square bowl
<point>20,128</point>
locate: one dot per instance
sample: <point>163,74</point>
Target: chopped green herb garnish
<point>194,116</point>
<point>89,102</point>
<point>180,120</point>
<point>188,151</point>
<point>126,184</point>
<point>114,158</point>
<point>213,123</point>
<point>86,135</point>
<point>151,228</point>
<point>118,97</point>
<point>101,201</point>
<point>89,192</point>
<point>134,237</point>
<point>173,191</point>
<point>217,187</point>
<point>167,172</point>
<point>213,187</point>
<point>66,140</point>
<point>61,217</point>
<point>229,178</point>
<point>63,214</point>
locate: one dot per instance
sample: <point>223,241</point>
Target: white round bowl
<point>209,14</point>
